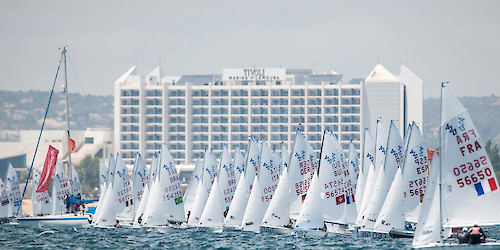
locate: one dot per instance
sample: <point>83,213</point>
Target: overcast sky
<point>456,41</point>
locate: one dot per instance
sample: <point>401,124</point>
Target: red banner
<point>48,169</point>
<point>71,145</point>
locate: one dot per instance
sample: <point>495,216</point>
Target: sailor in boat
<point>462,236</point>
<point>476,235</point>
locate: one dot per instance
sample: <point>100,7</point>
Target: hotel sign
<point>262,74</point>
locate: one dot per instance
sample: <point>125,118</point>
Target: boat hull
<point>66,220</point>
<point>275,230</point>
<point>394,233</point>
<point>309,233</point>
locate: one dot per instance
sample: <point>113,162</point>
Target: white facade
<point>392,98</point>
<point>195,112</point>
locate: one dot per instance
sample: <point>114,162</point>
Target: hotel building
<point>194,112</point>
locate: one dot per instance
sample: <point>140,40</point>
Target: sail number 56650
<point>475,177</point>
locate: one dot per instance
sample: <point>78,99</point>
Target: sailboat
<point>264,187</point>
<point>241,196</point>
<point>62,219</point>
<point>221,194</point>
<point>462,188</point>
<point>165,206</point>
<point>393,159</point>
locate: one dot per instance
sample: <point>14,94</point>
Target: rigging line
<point>83,90</point>
<point>41,130</point>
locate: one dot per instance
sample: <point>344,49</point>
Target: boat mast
<point>440,159</point>
<point>69,170</point>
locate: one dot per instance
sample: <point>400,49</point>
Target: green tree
<point>88,170</point>
<point>493,154</point>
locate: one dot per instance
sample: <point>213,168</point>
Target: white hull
<point>276,230</point>
<point>68,220</point>
<point>395,233</point>
<point>487,245</point>
<point>309,233</point>
<point>335,228</point>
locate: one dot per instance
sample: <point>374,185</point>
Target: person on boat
<point>476,235</point>
<point>67,201</point>
<point>462,236</point>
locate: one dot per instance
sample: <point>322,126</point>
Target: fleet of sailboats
<point>393,190</point>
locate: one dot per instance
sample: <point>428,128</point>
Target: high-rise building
<point>390,97</point>
<point>191,113</point>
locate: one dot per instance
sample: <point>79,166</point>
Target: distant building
<point>191,113</point>
<point>194,112</point>
<point>390,97</point>
<point>93,141</point>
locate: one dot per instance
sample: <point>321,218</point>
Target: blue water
<point>127,238</point>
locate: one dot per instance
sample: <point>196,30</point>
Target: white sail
<point>154,215</point>
<point>278,212</point>
<point>203,189</point>
<point>335,182</point>
<point>171,186</point>
<point>239,164</point>
<point>303,162</point>
<point>238,205</point>
<point>242,193</point>
<point>252,162</point>
<point>367,163</point>
<point>415,173</point>
<point>142,206</point>
<point>154,168</point>
<point>102,196</point>
<point>111,169</point>
<point>12,185</point>
<point>470,193</point>
<point>311,213</point>
<point>200,200</point>
<point>189,195</point>
<point>428,231</point>
<point>392,213</point>
<point>5,206</point>
<point>103,173</point>
<point>351,184</point>
<point>227,181</point>
<point>285,157</point>
<point>393,160</point>
<point>254,209</point>
<point>277,157</point>
<point>380,145</point>
<point>61,189</point>
<point>76,185</point>
<point>40,202</point>
<point>107,214</point>
<point>123,191</point>
<point>268,178</point>
<point>213,214</point>
<point>140,180</point>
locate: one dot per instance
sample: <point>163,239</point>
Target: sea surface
<point>18,237</point>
